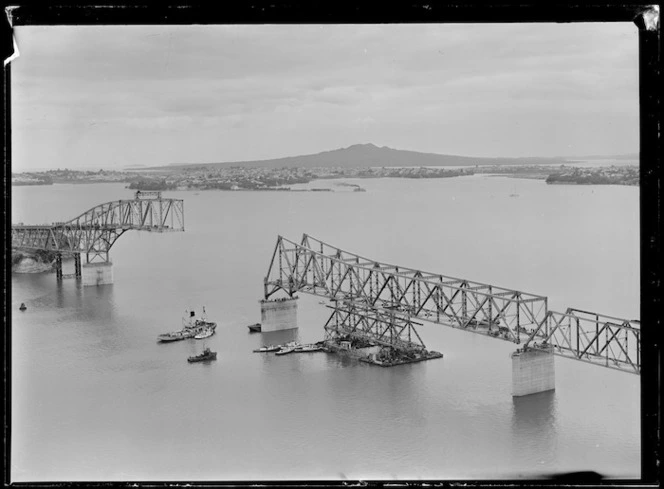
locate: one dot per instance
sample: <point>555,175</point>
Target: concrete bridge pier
<point>278,314</point>
<point>58,267</point>
<point>77,265</point>
<point>533,371</point>
<point>97,273</point>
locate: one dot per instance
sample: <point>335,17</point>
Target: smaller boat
<point>23,306</point>
<point>206,355</point>
<point>254,328</point>
<point>206,333</point>
<point>174,336</point>
<point>289,348</point>
<point>267,349</point>
<point>308,348</point>
<point>285,351</point>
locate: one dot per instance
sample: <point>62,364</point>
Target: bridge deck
<point>96,230</point>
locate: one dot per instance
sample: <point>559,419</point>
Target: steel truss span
<point>315,267</point>
<point>350,320</point>
<point>592,337</point>
<point>95,231</point>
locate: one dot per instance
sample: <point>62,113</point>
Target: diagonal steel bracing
<point>591,337</point>
<point>350,320</point>
<point>94,232</point>
<point>315,267</point>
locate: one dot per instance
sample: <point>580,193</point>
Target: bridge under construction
<point>375,304</point>
<point>93,233</point>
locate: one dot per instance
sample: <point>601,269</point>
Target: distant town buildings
<point>257,178</point>
<point>613,175</point>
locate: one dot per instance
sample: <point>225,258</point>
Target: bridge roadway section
<point>378,301</point>
<point>94,232</point>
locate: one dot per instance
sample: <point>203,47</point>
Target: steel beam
<point>335,273</point>
<point>95,231</point>
<point>317,268</point>
<point>350,320</point>
<point>591,337</point>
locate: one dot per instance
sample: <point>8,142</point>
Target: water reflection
<point>404,393</point>
<point>87,317</point>
<point>68,294</point>
<point>340,361</point>
<point>279,337</point>
<point>534,430</point>
<point>96,302</point>
<point>530,414</point>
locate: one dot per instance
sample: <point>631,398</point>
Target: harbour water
<point>95,397</point>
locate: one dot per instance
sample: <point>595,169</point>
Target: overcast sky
<point>113,96</point>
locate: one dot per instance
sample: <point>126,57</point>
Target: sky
<point>116,96</point>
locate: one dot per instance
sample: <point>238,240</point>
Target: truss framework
<point>350,320</point>
<point>315,267</point>
<point>591,337</point>
<point>94,232</point>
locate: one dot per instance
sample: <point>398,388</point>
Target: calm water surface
<point>95,397</point>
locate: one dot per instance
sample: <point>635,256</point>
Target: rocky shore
<point>39,262</point>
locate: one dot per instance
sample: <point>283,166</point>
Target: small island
<point>144,184</point>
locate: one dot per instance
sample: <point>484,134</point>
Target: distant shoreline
<point>266,179</point>
<point>627,175</point>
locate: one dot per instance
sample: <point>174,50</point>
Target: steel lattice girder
<point>317,268</point>
<point>381,327</point>
<point>96,230</point>
<point>591,337</point>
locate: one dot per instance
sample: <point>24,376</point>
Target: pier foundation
<point>97,273</point>
<point>532,371</point>
<point>58,267</point>
<point>77,265</point>
<point>278,314</point>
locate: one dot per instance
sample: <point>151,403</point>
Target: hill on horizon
<point>370,155</point>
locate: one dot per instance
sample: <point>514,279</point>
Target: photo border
<point>296,12</point>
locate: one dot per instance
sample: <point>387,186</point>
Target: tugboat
<point>205,356</point>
